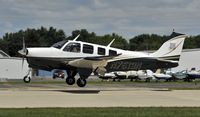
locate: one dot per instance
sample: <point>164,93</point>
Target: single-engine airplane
<point>84,58</point>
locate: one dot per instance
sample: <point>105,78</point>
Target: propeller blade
<point>22,62</point>
<point>23,52</point>
<point>24,47</point>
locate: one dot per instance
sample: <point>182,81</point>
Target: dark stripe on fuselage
<point>48,63</point>
<point>139,64</point>
<point>174,58</point>
<point>119,65</point>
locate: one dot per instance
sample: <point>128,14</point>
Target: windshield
<point>59,44</point>
<point>72,47</point>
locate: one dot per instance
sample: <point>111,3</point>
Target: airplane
<point>84,58</point>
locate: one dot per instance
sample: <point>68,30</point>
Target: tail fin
<point>171,49</point>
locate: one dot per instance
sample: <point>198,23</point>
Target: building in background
<point>11,67</point>
<point>190,58</point>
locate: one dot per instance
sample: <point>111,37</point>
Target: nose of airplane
<point>23,52</point>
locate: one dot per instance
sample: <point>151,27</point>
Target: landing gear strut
<point>27,78</point>
<point>70,80</point>
<point>81,82</point>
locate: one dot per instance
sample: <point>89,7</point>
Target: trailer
<point>13,67</point>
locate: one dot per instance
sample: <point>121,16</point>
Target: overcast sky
<point>128,18</point>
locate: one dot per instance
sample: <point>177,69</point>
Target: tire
<point>27,79</point>
<point>81,82</point>
<point>70,80</point>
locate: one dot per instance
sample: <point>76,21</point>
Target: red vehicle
<point>58,74</point>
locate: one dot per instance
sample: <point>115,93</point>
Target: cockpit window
<point>88,49</point>
<point>59,44</point>
<point>101,51</point>
<point>72,47</point>
<point>112,52</point>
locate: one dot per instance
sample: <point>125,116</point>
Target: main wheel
<point>27,79</point>
<point>70,80</point>
<point>81,82</point>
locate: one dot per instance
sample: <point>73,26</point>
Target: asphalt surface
<point>97,94</point>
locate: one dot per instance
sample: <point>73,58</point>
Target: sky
<point>127,18</point>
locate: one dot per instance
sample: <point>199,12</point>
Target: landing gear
<point>27,79</point>
<point>70,80</point>
<point>81,82</point>
<point>83,73</point>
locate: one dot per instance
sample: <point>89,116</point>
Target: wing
<point>91,62</point>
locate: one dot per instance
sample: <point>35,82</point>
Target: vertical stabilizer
<point>171,49</point>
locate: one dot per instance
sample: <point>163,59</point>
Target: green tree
<point>85,36</point>
<point>33,38</point>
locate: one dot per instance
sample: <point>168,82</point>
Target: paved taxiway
<point>49,93</point>
<point>97,97</point>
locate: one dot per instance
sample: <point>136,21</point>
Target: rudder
<point>171,49</point>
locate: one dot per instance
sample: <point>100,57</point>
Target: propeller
<point>23,52</point>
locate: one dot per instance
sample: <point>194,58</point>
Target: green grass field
<point>179,85</point>
<point>98,82</point>
<point>103,112</point>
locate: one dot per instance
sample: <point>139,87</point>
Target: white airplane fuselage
<point>55,54</point>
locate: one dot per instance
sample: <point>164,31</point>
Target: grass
<point>99,81</point>
<point>178,85</point>
<point>190,88</point>
<point>103,112</point>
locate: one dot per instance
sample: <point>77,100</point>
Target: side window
<point>88,49</point>
<point>101,51</point>
<point>72,47</point>
<point>112,52</point>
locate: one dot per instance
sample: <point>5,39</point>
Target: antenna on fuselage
<point>76,37</point>
<point>110,43</point>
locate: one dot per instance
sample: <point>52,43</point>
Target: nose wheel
<point>27,79</point>
<point>81,82</point>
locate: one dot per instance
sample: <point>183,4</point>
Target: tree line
<point>43,37</point>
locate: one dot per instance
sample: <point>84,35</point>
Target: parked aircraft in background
<point>84,58</point>
<point>141,75</point>
<point>192,75</point>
